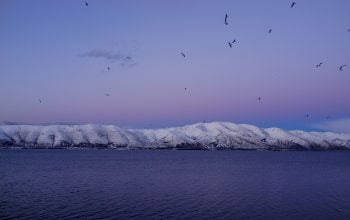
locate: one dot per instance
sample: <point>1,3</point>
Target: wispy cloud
<point>124,59</point>
<point>128,64</point>
<point>106,54</point>
<point>28,123</point>
<point>338,125</point>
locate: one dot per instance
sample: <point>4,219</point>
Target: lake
<point>169,184</point>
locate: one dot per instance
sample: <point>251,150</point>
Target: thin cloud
<point>44,123</point>
<point>128,64</point>
<point>124,59</point>
<point>105,54</point>
<point>338,125</point>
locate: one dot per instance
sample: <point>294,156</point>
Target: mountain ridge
<point>201,136</point>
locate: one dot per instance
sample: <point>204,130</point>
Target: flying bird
<point>185,89</point>
<point>341,67</point>
<point>259,98</point>
<point>292,5</point>
<point>307,115</point>
<point>108,68</point>
<point>184,55</point>
<point>86,4</point>
<point>270,31</point>
<point>318,65</point>
<point>107,94</point>
<point>39,100</point>
<point>231,43</point>
<point>263,140</point>
<point>348,30</point>
<point>226,16</point>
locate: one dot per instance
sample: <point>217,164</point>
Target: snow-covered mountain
<point>216,135</point>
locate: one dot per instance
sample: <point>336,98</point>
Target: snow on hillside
<point>216,135</point>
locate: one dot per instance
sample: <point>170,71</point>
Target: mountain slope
<point>216,135</point>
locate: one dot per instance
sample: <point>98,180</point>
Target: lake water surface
<point>151,184</point>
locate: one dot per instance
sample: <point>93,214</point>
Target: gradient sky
<point>59,51</point>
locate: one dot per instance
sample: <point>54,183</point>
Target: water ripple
<point>111,184</point>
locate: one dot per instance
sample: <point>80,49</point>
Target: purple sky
<point>59,51</point>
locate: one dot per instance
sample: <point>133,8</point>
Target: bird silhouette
<point>307,115</point>
<point>270,30</point>
<point>39,100</point>
<point>107,94</point>
<point>231,43</point>
<point>86,4</point>
<point>108,68</point>
<point>226,16</point>
<point>259,98</point>
<point>263,140</point>
<point>292,5</point>
<point>341,67</point>
<point>184,55</point>
<point>185,89</point>
<point>348,30</point>
<point>318,65</point>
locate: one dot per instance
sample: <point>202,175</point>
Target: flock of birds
<point>230,44</point>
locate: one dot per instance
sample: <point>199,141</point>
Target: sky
<point>69,56</point>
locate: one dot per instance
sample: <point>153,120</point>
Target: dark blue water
<point>110,184</point>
